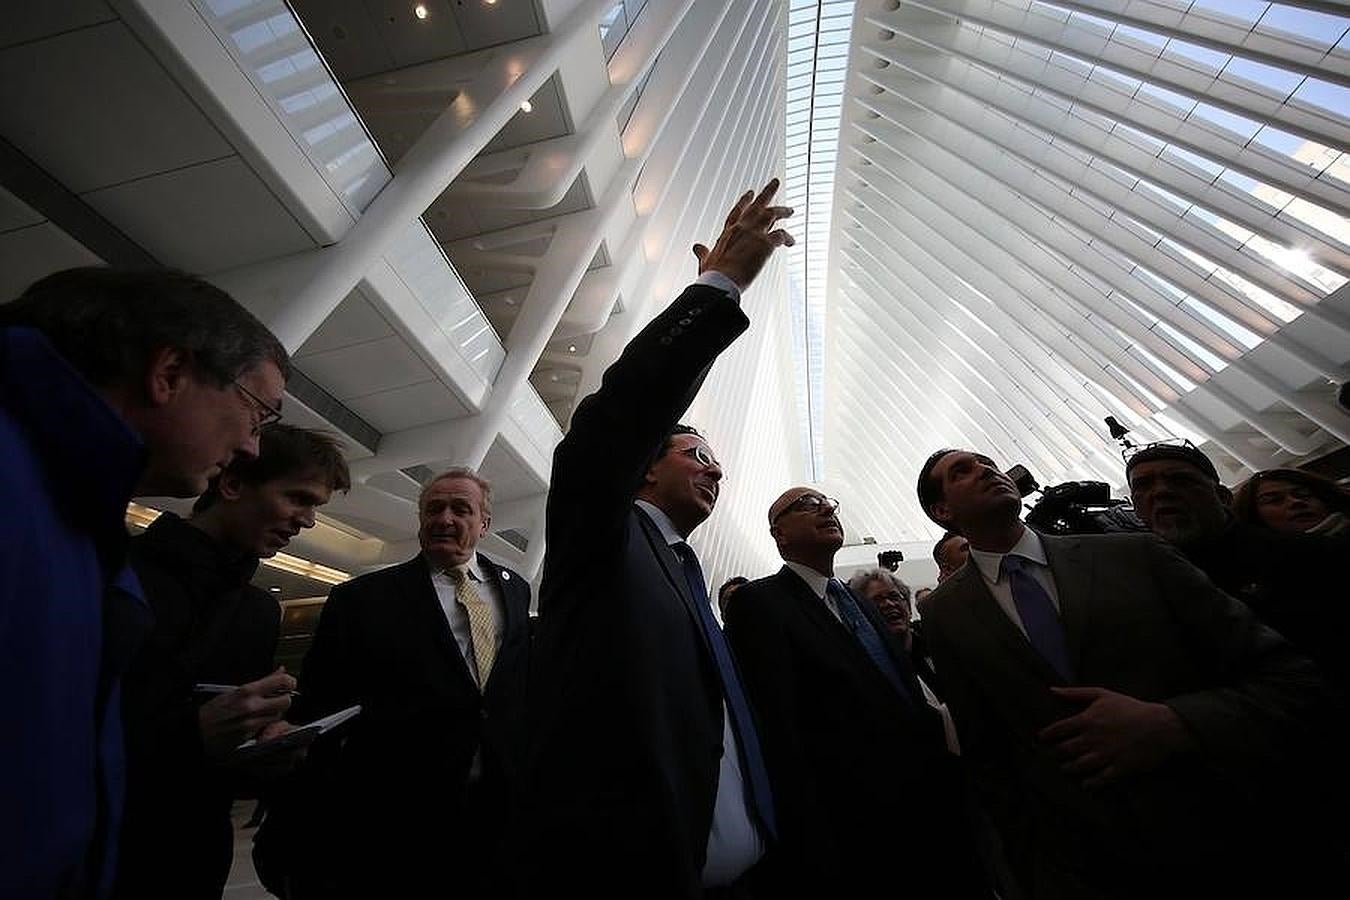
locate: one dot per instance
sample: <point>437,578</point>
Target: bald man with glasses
<point>857,759</point>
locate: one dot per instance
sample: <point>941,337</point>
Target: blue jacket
<point>71,612</point>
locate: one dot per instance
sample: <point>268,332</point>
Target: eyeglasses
<point>264,414</point>
<point>808,503</point>
<point>700,455</point>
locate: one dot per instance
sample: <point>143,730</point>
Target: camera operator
<point>1287,579</point>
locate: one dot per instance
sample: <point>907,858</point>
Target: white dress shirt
<point>734,843</point>
<point>1028,547</point>
<point>458,616</point>
<point>818,584</point>
<point>718,280</point>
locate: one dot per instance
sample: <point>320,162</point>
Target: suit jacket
<point>626,703</point>
<point>857,771</point>
<point>403,772</point>
<point>1139,620</point>
<point>211,625</point>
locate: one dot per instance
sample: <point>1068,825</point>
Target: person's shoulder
<point>381,579</point>
<point>765,594</point>
<point>504,574</point>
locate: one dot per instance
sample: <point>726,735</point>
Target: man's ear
<point>229,486</point>
<point>487,521</point>
<point>167,376</point>
<point>940,512</point>
<point>1225,495</point>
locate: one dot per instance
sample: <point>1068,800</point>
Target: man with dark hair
<point>115,384</point>
<point>728,588</point>
<point>647,778</point>
<point>435,650</point>
<point>1284,578</point>
<point>840,708</point>
<point>950,553</point>
<point>211,627</point>
<point>1134,730</point>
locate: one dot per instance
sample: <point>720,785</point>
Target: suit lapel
<point>493,572</point>
<point>673,568</point>
<point>815,609</point>
<point>421,594</point>
<point>1072,568</point>
<point>976,596</point>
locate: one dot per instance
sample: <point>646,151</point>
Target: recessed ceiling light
<point>420,10</point>
<point>276,589</point>
<point>553,378</point>
<point>526,107</point>
<point>571,348</point>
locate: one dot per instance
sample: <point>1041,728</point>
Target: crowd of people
<point>1149,714</point>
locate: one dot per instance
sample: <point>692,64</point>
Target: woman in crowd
<point>1294,501</point>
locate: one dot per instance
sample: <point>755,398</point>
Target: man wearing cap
<point>1284,578</point>
<point>1132,729</point>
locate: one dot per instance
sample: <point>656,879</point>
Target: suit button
<point>686,321</point>
<point>677,330</point>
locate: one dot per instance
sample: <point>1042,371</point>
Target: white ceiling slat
<point>1048,216</point>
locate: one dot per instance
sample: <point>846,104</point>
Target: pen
<point>230,688</point>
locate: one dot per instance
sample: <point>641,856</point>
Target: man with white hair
<point>435,652</point>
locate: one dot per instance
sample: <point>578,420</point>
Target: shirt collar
<point>1028,546</point>
<point>472,568</point>
<point>814,580</point>
<point>662,521</point>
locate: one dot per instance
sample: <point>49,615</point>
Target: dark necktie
<point>738,707</point>
<point>1044,630</point>
<point>872,643</point>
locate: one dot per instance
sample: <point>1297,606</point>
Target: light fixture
<point>297,566</point>
<point>527,107</point>
<point>276,589</point>
<point>420,10</point>
<point>571,348</point>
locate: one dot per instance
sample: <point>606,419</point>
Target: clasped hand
<point>1114,736</point>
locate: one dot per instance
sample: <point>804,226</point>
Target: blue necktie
<point>752,759</point>
<point>1044,630</point>
<point>871,641</point>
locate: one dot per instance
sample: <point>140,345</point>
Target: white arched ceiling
<point>1045,214</point>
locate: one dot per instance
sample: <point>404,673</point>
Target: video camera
<point>1075,507</point>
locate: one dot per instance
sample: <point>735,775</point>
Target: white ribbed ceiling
<point>1045,214</point>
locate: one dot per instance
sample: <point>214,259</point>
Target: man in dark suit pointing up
<point>648,780</point>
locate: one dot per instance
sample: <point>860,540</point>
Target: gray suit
<point>1139,620</point>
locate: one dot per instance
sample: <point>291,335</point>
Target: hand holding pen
<point>227,720</point>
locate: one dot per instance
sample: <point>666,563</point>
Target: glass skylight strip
<point>818,48</point>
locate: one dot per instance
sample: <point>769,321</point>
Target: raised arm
<point>615,432</point>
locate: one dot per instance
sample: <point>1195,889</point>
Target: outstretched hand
<point>748,238</point>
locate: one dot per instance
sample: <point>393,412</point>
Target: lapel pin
<point>506,576</point>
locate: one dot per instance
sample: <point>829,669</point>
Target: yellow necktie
<point>482,629</point>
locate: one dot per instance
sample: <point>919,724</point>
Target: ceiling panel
<point>27,254</point>
<point>367,368</point>
<point>191,217</point>
<point>408,407</point>
<point>26,22</point>
<point>14,213</point>
<point>110,94</point>
<point>354,321</point>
